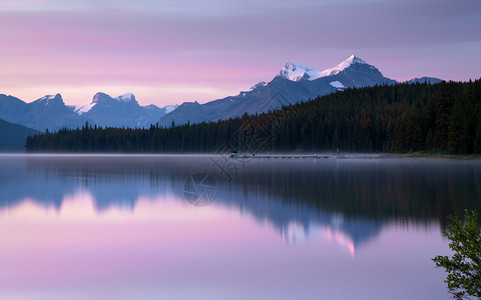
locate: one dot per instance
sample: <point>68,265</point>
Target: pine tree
<point>456,142</point>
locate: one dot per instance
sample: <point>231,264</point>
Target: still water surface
<point>202,227</point>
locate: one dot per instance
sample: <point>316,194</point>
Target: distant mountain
<point>122,111</point>
<point>292,84</point>
<point>430,80</point>
<point>50,112</point>
<point>13,136</point>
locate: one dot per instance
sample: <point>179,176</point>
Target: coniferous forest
<point>444,118</point>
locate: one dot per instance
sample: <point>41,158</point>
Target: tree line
<point>444,117</point>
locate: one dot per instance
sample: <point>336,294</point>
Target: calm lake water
<point>202,227</point>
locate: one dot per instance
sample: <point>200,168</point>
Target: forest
<point>442,118</point>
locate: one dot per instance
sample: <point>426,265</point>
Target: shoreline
<point>322,155</point>
<point>443,156</point>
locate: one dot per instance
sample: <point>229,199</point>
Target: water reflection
<point>99,220</point>
<point>347,200</point>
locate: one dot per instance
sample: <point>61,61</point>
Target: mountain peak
<point>99,97</point>
<point>49,99</point>
<point>296,72</point>
<point>105,100</point>
<point>355,59</point>
<point>128,97</point>
<point>343,65</point>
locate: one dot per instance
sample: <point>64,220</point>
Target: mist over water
<point>76,226</point>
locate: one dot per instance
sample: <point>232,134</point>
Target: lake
<point>211,227</point>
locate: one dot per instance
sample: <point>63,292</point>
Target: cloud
<point>25,4</point>
<point>230,44</point>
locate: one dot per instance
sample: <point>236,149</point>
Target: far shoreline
<point>273,155</point>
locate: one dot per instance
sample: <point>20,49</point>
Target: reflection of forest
<point>378,190</point>
<point>381,189</point>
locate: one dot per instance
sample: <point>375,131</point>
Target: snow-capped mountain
<point>129,97</point>
<point>121,111</point>
<point>50,112</point>
<point>297,72</point>
<point>293,83</point>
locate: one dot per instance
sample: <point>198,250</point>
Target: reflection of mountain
<point>297,222</point>
<point>47,180</point>
<point>297,233</point>
<point>348,201</point>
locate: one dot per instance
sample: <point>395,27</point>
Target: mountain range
<point>122,111</point>
<point>50,112</point>
<point>292,84</point>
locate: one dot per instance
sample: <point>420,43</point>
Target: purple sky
<point>169,51</point>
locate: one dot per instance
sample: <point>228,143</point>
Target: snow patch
<point>126,97</point>
<point>296,72</point>
<point>48,97</point>
<point>260,84</point>
<point>170,108</point>
<point>337,84</point>
<point>344,65</point>
<point>81,109</point>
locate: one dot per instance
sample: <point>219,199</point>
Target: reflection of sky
<point>117,184</point>
<point>98,226</point>
<point>170,249</point>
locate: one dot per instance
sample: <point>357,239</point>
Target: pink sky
<point>168,52</point>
